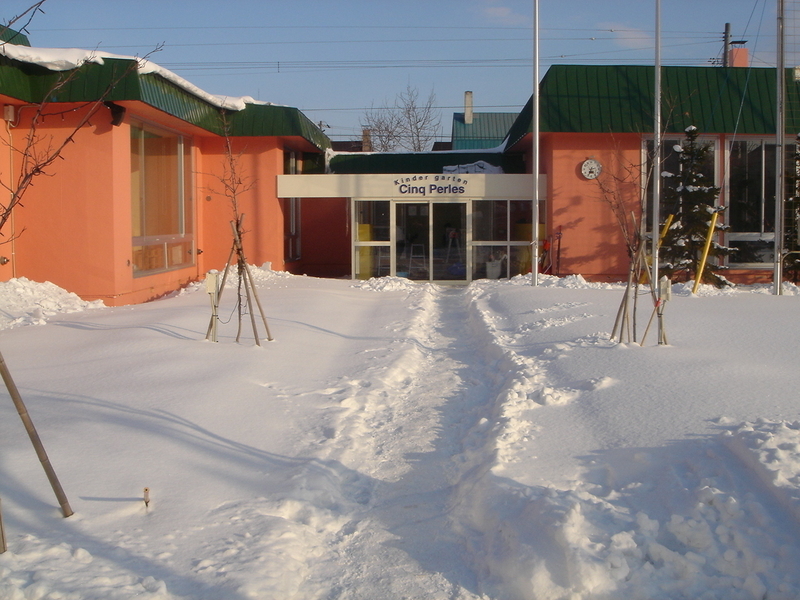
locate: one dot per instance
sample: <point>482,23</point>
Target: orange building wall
<point>71,223</point>
<point>259,161</point>
<point>77,223</point>
<point>592,243</point>
<point>325,238</point>
<point>74,225</point>
<point>74,228</point>
<point>6,248</point>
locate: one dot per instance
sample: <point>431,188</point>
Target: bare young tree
<point>625,190</point>
<point>621,191</point>
<point>409,123</point>
<point>235,182</point>
<point>382,125</point>
<point>420,119</point>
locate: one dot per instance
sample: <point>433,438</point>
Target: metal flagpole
<point>657,169</point>
<point>535,154</point>
<point>780,126</point>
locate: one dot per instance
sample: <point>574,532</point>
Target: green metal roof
<point>487,130</point>
<point>15,37</point>
<point>604,99</point>
<point>33,83</point>
<point>272,120</point>
<point>423,162</point>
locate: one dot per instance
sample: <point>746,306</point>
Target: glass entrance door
<point>430,241</point>
<point>412,241</point>
<point>449,238</point>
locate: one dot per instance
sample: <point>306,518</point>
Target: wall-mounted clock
<point>591,168</point>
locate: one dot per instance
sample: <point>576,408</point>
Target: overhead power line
<point>682,32</point>
<point>643,38</point>
<point>291,66</point>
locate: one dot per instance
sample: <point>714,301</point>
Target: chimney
<point>738,56</point>
<point>734,54</point>
<point>366,140</point>
<point>468,108</point>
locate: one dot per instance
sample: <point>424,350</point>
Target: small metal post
<point>212,287</point>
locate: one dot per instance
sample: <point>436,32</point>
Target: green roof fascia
<point>273,120</point>
<point>33,83</point>
<point>115,79</point>
<point>522,126</point>
<point>619,99</point>
<point>16,80</point>
<point>13,37</point>
<point>423,162</point>
<point>477,143</point>
<point>178,102</point>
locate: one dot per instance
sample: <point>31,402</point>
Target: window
<point>502,235</point>
<point>291,217</point>
<point>751,201</point>
<point>750,195</point>
<point>161,206</point>
<point>372,238</point>
<point>670,164</point>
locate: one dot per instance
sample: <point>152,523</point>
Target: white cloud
<point>498,12</point>
<point>628,37</point>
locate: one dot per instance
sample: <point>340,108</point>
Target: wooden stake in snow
<point>146,497</point>
<point>246,282</point>
<point>37,443</point>
<point>3,546</point>
<point>706,248</point>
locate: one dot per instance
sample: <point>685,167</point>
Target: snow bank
<point>772,450</point>
<point>387,284</point>
<point>25,302</point>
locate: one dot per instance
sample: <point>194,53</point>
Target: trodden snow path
<point>414,426</point>
<point>399,500</point>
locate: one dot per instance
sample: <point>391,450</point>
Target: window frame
<point>763,235</point>
<point>169,251</point>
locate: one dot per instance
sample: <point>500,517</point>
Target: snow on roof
<point>55,59</point>
<point>66,59</point>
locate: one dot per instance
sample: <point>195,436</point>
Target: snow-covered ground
<point>403,440</point>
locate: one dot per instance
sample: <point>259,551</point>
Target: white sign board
<point>410,186</point>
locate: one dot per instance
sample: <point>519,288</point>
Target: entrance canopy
<point>448,227</point>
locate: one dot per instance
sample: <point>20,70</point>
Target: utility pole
<point>726,47</point>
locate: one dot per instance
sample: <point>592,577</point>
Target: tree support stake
<point>37,442</point>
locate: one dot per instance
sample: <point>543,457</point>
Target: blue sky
<point>335,58</point>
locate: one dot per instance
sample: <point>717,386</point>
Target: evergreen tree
<point>691,198</point>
